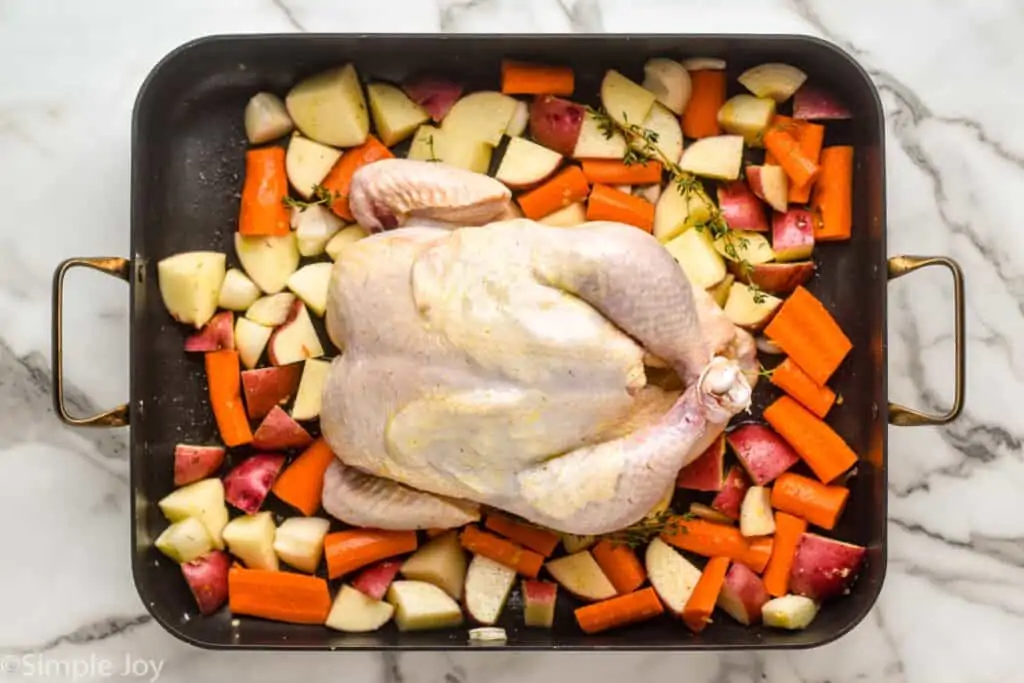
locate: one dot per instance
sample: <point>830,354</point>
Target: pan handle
<point>118,267</point>
<point>909,417</point>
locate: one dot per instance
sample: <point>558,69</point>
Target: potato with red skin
<point>375,579</point>
<point>556,123</point>
<point>823,567</point>
<point>539,598</point>
<point>217,334</point>
<point>730,498</point>
<point>265,388</point>
<point>207,578</point>
<point>435,94</point>
<point>743,594</point>
<point>770,183</point>
<point>741,208</point>
<point>814,104</point>
<point>705,473</point>
<point>279,431</point>
<point>762,453</point>
<point>247,485</point>
<point>192,463</point>
<point>774,278</point>
<point>793,235</point>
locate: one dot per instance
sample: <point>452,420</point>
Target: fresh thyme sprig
<point>430,145</point>
<point>639,534</point>
<point>321,195</point>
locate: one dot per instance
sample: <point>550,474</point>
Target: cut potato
<point>748,311</point>
<point>435,94</point>
<point>556,123</point>
<point>694,251</point>
<point>740,246</point>
<point>815,104</point>
<point>669,81</point>
<point>672,575</point>
<point>774,80</point>
<point>207,578</point>
<point>770,183</point>
<point>777,278</point>
<point>268,260</point>
<point>184,541</point>
<point>539,599</point>
<point>310,283</point>
<point>488,584</point>
<point>526,163</point>
<point>740,208</point>
<point>420,605</point>
<point>676,212</point>
<point>762,452</point>
<point>704,64</point>
<point>665,125</point>
<point>573,543</point>
<point>651,193</point>
<point>481,117</point>
<point>190,285</point>
<point>454,149</point>
<point>756,518</point>
<point>625,101</point>
<point>271,310</point>
<point>441,561</point>
<point>237,292</point>
<point>793,612</point>
<point>519,121</point>
<point>314,227</point>
<point>720,292</point>
<point>192,463</point>
<point>374,581</point>
<point>717,157</point>
<point>748,116</point>
<point>295,340</point>
<point>265,388</point>
<point>743,594</point>
<point>215,335</point>
<point>354,612</point>
<point>343,239</point>
<point>793,235</point>
<point>250,341</point>
<point>266,118</point>
<point>593,143</point>
<point>329,107</point>
<point>311,386</point>
<point>730,499</point>
<point>426,144</point>
<point>709,514</point>
<point>395,116</point>
<point>824,567</point>
<point>567,217</point>
<point>707,471</point>
<point>203,500</point>
<point>299,542</point>
<point>248,483</point>
<point>250,538</point>
<point>307,163</point>
<point>580,574</point>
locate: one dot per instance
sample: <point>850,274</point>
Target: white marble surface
<point>953,604</point>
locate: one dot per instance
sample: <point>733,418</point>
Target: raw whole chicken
<point>492,360</point>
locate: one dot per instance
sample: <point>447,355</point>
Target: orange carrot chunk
<point>608,204</point>
<point>805,330</point>
<point>820,447</point>
<point>810,136</point>
<point>339,178</point>
<point>522,78</point>
<point>354,548</point>
<point>817,503</point>
<point>617,172</point>
<point>281,596</point>
<point>224,377</point>
<point>567,187</point>
<point>265,187</point>
<point>543,541</point>
<point>788,530</point>
<point>620,564</point>
<point>301,484</point>
<point>619,611</point>
<point>759,551</point>
<point>698,609</point>
<point>526,562</point>
<point>788,376</point>
<point>786,151</point>
<point>833,195</point>
<point>711,539</point>
<point>707,95</point>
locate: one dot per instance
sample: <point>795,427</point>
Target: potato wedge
<point>329,107</point>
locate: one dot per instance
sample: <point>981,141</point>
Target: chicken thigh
<point>502,362</point>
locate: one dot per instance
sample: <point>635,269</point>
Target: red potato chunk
<point>814,104</point>
<point>556,123</point>
<point>217,334</point>
<point>268,387</point>
<point>436,95</point>
<point>774,278</point>
<point>763,453</point>
<point>741,208</point>
<point>730,498</point>
<point>705,473</point>
<point>823,567</point>
<point>793,235</point>
<point>375,579</point>
<point>247,485</point>
<point>207,578</point>
<point>279,431</point>
<point>539,599</point>
<point>743,594</point>
<point>192,463</point>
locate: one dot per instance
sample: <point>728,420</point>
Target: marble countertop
<point>953,604</point>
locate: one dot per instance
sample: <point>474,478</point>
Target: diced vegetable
<point>185,540</point>
<point>608,204</point>
<point>436,95</point>
<point>669,81</point>
<point>775,80</point>
<point>708,513</point>
<point>787,153</point>
<point>268,387</point>
<point>375,580</point>
<point>488,584</point>
<point>272,310</point>
<point>763,454</point>
<point>620,564</point>
<point>482,116</point>
<point>740,208</point>
<point>223,376</point>
<point>342,240</point>
<point>217,334</point>
<point>353,549</point>
<point>339,179</point>
<point>814,104</point>
<point>355,612</point>
<point>720,292</point>
<point>442,562</point>
<point>269,260</point>
<point>246,486</point>
<point>700,118</point>
<point>329,107</point>
<point>207,578</point>
<point>190,284</point>
<point>395,115</point>
<point>237,291</point>
<point>770,183</point>
<point>717,157</point>
<point>556,123</point>
<point>748,309</point>
<point>811,136</point>
<point>820,447</point>
<point>310,283</point>
<point>192,463</point>
<point>747,116</point>
<point>539,599</point>
<point>793,235</point>
<point>307,163</point>
<point>743,595</point>
<point>697,613</point>
<point>301,484</point>
<point>522,78</point>
<point>567,187</point>
<point>824,568</point>
<point>265,187</point>
<point>580,574</point>
<point>278,431</point>
<point>250,340</point>
<point>833,194</point>
<point>793,612</point>
<point>625,101</point>
<point>570,216</point>
<point>619,611</point>
<point>314,227</point>
<point>672,575</point>
<point>817,503</point>
<point>519,121</point>
<point>420,606</point>
<point>730,498</point>
<point>789,529</point>
<point>808,333</point>
<point>574,543</point>
<point>667,136</point>
<point>788,376</point>
<point>707,471</point>
<point>593,140</point>
<point>266,118</point>
<point>203,500</point>
<point>299,542</point>
<point>250,538</point>
<point>295,340</point>
<point>281,596</point>
<point>744,247</point>
<point>616,172</point>
<point>526,562</point>
<point>526,163</point>
<point>533,537</point>
<point>756,517</point>
<point>703,265</point>
<point>677,211</point>
<point>310,394</point>
<point>775,278</point>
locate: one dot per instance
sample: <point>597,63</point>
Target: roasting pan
<point>187,162</point>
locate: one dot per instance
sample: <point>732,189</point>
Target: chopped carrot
<point>706,538</point>
<point>301,484</point>
<point>788,530</point>
<point>811,136</point>
<point>788,376</point>
<point>262,210</point>
<point>354,548</point>
<point>707,95</point>
<point>759,551</point>
<point>619,611</point>
<point>533,537</point>
<point>224,377</point>
<point>526,562</point>
<point>281,596</point>
<point>833,195</point>
<point>805,330</point>
<point>521,78</point>
<point>608,204</point>
<point>786,151</point>
<point>816,502</point>
<point>821,448</point>
<point>339,178</point>
<point>567,187</point>
<point>620,564</point>
<point>617,172</point>
<point>698,609</point>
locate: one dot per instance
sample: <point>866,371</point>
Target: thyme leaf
<point>641,533</point>
<point>321,195</point>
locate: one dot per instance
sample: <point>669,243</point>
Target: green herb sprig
<point>321,195</point>
<point>641,533</point>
